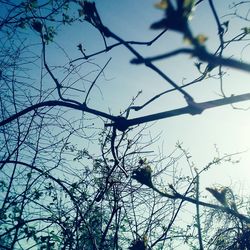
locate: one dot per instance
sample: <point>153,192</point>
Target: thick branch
<point>54,103</point>
<point>202,55</point>
<point>196,108</point>
<point>122,124</point>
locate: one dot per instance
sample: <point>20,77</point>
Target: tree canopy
<point>79,169</point>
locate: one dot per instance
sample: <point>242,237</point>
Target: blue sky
<point>224,126</point>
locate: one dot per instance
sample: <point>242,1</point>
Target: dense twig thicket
<point>74,176</point>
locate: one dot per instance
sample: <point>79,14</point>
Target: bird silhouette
<point>220,195</point>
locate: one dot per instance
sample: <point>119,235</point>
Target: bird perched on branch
<point>143,175</point>
<point>219,194</point>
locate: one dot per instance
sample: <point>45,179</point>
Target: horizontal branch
<point>110,47</point>
<point>121,123</point>
<point>203,55</point>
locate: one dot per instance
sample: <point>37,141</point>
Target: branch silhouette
<point>121,123</point>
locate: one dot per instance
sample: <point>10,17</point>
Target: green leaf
<point>2,185</point>
<point>201,39</point>
<point>246,30</point>
<point>162,5</point>
<point>37,194</point>
<point>2,214</point>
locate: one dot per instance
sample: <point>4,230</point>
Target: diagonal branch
<point>196,109</point>
<point>108,33</point>
<point>194,201</point>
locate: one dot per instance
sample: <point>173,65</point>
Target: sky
<point>224,128</point>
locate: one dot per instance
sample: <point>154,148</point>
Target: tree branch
<point>202,55</point>
<point>122,124</point>
<point>54,103</point>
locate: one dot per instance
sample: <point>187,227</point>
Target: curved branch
<point>122,124</point>
<point>82,107</point>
